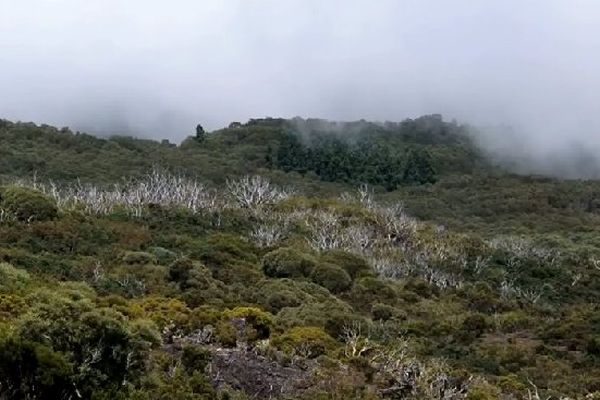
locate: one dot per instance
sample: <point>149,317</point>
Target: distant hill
<point>433,166</point>
<point>60,154</point>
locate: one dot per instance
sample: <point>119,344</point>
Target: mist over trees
<point>396,259</point>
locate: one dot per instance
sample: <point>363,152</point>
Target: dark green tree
<point>200,133</point>
<point>419,169</point>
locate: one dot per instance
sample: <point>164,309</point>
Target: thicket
<point>166,287</point>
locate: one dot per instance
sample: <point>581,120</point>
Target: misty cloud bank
<point>527,74</point>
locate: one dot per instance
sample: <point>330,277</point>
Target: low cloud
<point>527,74</point>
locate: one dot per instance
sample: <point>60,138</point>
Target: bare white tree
<point>325,230</point>
<point>363,195</point>
<point>359,238</point>
<point>356,344</point>
<point>271,230</point>
<point>157,187</point>
<point>253,191</point>
<point>398,227</point>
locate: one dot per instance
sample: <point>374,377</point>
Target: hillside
<point>292,259</point>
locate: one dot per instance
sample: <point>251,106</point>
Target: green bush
<point>257,322</point>
<point>189,274</point>
<point>195,358</point>
<point>28,204</point>
<point>138,258</point>
<point>593,346</point>
<point>308,340</point>
<point>369,290</point>
<point>12,278</point>
<point>382,312</point>
<point>278,300</point>
<point>287,262</point>
<point>332,277</point>
<point>473,326</point>
<point>30,370</point>
<point>481,390</point>
<point>355,266</point>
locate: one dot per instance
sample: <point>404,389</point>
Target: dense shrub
<point>229,258</point>
<point>255,323</point>
<point>138,257</point>
<point>306,340</point>
<point>287,262</point>
<point>382,312</point>
<point>195,358</point>
<point>27,204</point>
<point>189,274</point>
<point>67,323</point>
<point>278,300</point>
<point>32,370</point>
<point>12,278</point>
<point>368,291</point>
<point>355,266</point>
<point>332,277</point>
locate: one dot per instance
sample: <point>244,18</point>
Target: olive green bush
<point>287,262</point>
<point>27,204</point>
<point>332,277</point>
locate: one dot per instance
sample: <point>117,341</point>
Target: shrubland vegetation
<point>282,259</point>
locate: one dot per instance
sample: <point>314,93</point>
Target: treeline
<point>336,159</point>
<point>390,154</point>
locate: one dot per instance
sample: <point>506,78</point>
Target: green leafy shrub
<point>287,262</point>
<point>278,300</point>
<point>332,277</point>
<point>307,340</point>
<point>226,334</point>
<point>473,326</point>
<point>369,290</point>
<point>189,274</point>
<point>593,346</point>
<point>12,278</point>
<point>138,258</point>
<point>382,312</point>
<point>68,323</point>
<point>481,390</point>
<point>355,266</point>
<point>257,323</point>
<point>229,258</point>
<point>195,358</point>
<point>32,370</point>
<point>28,204</point>
<point>163,256</point>
<point>316,313</point>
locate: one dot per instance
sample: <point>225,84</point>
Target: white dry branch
<point>520,249</point>
<point>359,238</point>
<point>325,230</point>
<point>158,187</point>
<point>254,191</point>
<point>398,227</point>
<point>270,230</point>
<point>363,195</point>
<point>6,216</point>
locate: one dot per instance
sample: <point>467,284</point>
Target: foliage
<point>332,277</point>
<point>307,341</point>
<point>211,279</point>
<point>287,262</point>
<point>27,204</point>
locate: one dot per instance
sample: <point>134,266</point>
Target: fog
<point>526,73</point>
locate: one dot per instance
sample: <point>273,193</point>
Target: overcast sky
<point>156,68</point>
